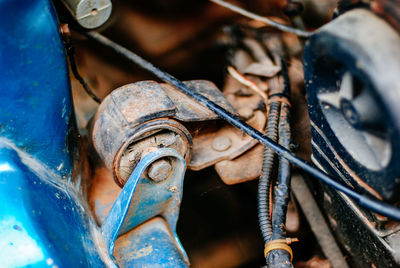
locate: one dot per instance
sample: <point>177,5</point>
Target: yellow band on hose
<point>282,244</point>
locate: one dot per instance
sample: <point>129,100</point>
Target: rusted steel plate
<point>189,110</point>
<point>244,168</point>
<point>207,149</point>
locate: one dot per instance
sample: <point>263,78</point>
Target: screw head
<point>159,170</point>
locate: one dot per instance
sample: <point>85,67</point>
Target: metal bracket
<point>142,199</point>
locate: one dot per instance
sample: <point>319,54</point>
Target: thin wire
<point>265,20</point>
<point>372,204</point>
<point>75,72</point>
<point>244,81</point>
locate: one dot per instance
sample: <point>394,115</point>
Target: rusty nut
<point>159,170</point>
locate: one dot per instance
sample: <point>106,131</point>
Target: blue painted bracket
<point>142,199</point>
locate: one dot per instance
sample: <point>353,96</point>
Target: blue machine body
<point>42,222</point>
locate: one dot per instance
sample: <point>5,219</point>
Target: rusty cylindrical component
<point>130,122</point>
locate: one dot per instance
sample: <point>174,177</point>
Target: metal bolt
<point>159,170</point>
<point>221,143</point>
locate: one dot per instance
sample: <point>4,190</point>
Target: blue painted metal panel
<point>35,102</point>
<point>41,223</point>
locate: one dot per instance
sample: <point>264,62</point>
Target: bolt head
<point>221,143</point>
<point>159,170</point>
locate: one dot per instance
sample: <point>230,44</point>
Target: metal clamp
<point>142,199</point>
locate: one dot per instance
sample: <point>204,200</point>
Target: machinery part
<point>213,143</point>
<point>352,101</point>
<point>159,170</point>
<point>137,203</point>
<point>367,202</point>
<point>130,121</point>
<point>89,14</point>
<point>355,118</point>
<point>317,222</point>
<point>138,116</point>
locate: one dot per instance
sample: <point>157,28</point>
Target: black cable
<point>372,204</point>
<point>278,257</point>
<point>281,258</point>
<point>71,56</point>
<point>264,182</point>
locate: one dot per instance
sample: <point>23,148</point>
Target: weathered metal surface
<point>243,168</point>
<point>205,152</point>
<point>142,199</point>
<point>151,244</point>
<point>123,127</point>
<point>246,166</point>
<point>158,133</point>
<point>188,110</point>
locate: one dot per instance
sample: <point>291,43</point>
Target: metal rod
<point>374,205</point>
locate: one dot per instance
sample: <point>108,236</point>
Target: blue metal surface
<point>41,222</point>
<point>142,199</point>
<point>149,245</point>
<point>35,103</point>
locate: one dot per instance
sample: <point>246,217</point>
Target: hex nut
<point>159,170</point>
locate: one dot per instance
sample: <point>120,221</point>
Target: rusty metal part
<point>221,143</point>
<point>159,170</point>
<point>157,133</point>
<point>189,110</point>
<point>248,165</point>
<point>244,168</point>
<point>204,152</point>
<point>123,127</point>
<point>137,117</point>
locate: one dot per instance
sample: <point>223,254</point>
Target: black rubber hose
<point>281,258</point>
<point>264,182</point>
